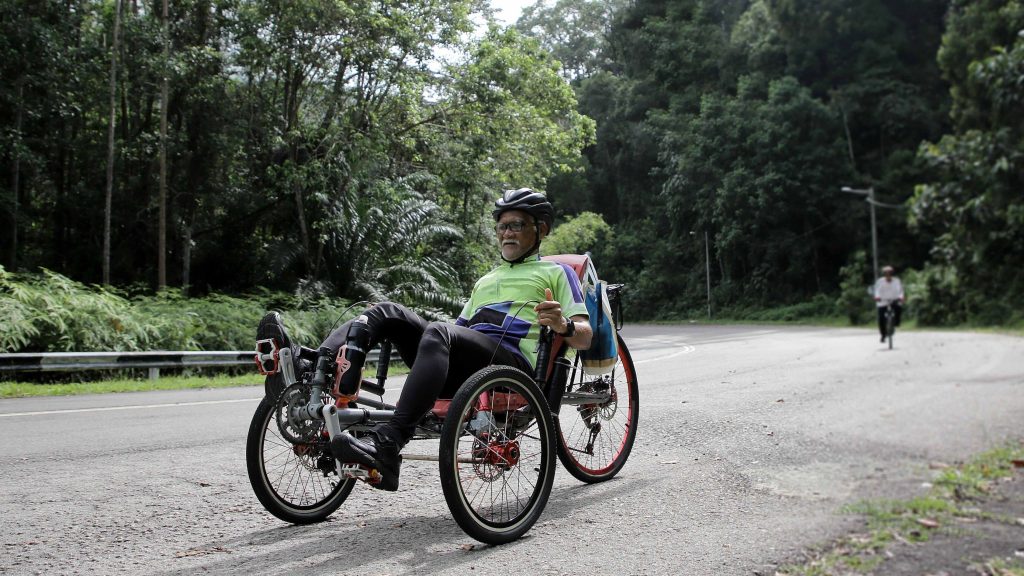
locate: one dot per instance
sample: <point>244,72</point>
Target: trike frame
<point>589,422</point>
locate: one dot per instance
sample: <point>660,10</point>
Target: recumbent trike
<point>498,434</point>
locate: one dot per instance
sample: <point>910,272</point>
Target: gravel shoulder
<point>983,536</point>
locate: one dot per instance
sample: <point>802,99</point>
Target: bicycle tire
<point>594,441</point>
<point>497,480</point>
<point>293,489</point>
<point>890,328</point>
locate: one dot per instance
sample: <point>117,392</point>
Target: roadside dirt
<point>978,544</point>
<point>988,541</point>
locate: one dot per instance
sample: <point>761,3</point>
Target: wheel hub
<point>495,457</point>
<point>504,455</point>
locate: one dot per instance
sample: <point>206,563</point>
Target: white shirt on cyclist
<point>888,290</point>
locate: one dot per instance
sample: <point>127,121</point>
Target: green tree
<point>971,204</point>
<point>573,31</point>
<point>585,232</point>
<point>507,120</point>
<point>756,172</point>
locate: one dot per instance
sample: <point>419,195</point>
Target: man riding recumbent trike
<point>504,389</point>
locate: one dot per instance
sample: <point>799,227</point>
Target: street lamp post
<point>707,267</point>
<point>870,194</point>
<point>707,270</point>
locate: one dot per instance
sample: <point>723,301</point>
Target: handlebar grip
<point>540,371</point>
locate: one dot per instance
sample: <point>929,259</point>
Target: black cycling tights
<point>441,357</point>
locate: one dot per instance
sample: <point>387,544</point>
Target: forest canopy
<point>351,149</point>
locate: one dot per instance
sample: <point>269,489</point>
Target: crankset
<point>292,422</point>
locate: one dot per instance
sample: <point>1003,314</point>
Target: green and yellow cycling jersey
<point>502,302</point>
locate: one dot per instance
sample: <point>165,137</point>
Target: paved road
<point>751,439</point>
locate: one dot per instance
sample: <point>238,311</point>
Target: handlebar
<point>543,353</point>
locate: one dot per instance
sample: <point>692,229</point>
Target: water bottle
<point>349,374</point>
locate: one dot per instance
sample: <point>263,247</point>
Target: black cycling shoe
<point>375,451</point>
<point>272,327</point>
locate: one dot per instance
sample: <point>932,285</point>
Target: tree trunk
<point>108,201</point>
<point>161,265</point>
<point>12,259</point>
<point>849,139</point>
<point>186,257</point>
<point>293,85</point>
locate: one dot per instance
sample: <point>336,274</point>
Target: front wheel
<point>295,482</point>
<point>597,420</point>
<point>890,328</point>
<point>497,457</point>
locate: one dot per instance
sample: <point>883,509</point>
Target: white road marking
<point>679,349</point>
<point>108,408</point>
<point>682,348</point>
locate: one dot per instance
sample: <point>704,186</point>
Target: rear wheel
<point>497,457</point>
<point>298,482</point>
<point>597,420</point>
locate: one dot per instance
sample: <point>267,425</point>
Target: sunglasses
<point>515,226</point>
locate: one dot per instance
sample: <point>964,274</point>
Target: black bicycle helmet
<point>533,203</point>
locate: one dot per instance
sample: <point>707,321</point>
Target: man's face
<point>515,244</point>
<point>888,274</point>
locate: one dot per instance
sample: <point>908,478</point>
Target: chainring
<point>297,429</point>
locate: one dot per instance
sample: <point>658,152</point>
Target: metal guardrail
<point>33,362</point>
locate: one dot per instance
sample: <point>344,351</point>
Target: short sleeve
<point>569,293</point>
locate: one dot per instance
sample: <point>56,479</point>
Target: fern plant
<point>384,247</point>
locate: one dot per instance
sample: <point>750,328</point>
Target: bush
<point>821,306</point>
<point>855,301</point>
<point>48,312</point>
<point>935,296</point>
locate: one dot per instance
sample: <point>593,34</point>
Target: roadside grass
<point>32,389</point>
<point>915,520</point>
<point>1000,567</point>
<point>908,324</point>
<point>817,321</point>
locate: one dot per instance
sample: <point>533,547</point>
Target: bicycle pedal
<point>360,472</point>
<point>268,359</point>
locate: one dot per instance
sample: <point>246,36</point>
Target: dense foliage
<point>349,145</point>
<point>742,120</point>
<point>48,312</point>
<point>972,203</point>
<point>350,149</point>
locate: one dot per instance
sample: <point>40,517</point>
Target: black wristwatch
<point>570,327</point>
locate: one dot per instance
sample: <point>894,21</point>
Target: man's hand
<point>549,313</point>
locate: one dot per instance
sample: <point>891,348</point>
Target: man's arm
<point>549,313</point>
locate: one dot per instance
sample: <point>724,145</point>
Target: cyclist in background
<point>888,290</point>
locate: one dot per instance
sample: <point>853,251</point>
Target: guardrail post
<point>154,373</point>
